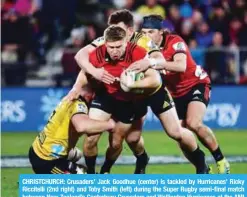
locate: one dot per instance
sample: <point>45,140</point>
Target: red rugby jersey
<point>101,59</point>
<point>180,83</point>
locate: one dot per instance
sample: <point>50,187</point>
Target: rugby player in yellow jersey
<point>124,19</point>
<point>50,151</point>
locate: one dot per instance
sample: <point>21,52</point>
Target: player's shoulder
<point>174,38</point>
<point>176,42</point>
<point>80,105</point>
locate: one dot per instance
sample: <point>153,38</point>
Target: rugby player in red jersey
<point>116,55</point>
<point>187,82</point>
<point>124,19</point>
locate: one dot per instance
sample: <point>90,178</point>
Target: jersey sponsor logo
<point>196,92</point>
<point>196,98</point>
<point>57,150</point>
<point>165,105</point>
<point>132,118</point>
<point>179,46</point>
<point>81,107</point>
<point>96,103</point>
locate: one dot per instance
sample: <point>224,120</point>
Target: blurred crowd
<point>41,37</point>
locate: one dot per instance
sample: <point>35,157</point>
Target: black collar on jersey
<point>162,44</point>
<point>81,98</point>
<point>132,37</point>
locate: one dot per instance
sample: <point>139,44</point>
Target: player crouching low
<point>53,151</point>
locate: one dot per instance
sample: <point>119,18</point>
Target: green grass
<point>156,143</point>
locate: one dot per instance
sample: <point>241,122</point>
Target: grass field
<point>157,143</point>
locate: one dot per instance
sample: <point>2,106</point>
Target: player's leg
<point>136,143</point>
<point>194,121</point>
<point>100,110</point>
<point>162,105</point>
<point>115,145</point>
<point>124,112</point>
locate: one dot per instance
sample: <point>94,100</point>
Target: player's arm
<point>155,57</point>
<point>82,59</point>
<point>151,80</point>
<point>84,125</point>
<point>178,49</point>
<point>177,65</point>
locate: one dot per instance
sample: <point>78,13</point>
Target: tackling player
<point>187,82</point>
<point>51,150</point>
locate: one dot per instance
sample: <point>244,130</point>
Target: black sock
<point>197,158</point>
<point>106,168</point>
<point>217,154</point>
<point>90,162</point>
<point>142,158</point>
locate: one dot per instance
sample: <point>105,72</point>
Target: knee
<point>132,139</point>
<point>116,144</point>
<point>91,142</point>
<point>193,124</point>
<point>176,133</point>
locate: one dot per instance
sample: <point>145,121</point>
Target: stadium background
<point>40,38</point>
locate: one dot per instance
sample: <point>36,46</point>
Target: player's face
<point>116,49</point>
<point>129,30</point>
<point>154,34</point>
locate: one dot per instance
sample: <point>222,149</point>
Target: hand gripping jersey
<point>53,142</point>
<point>100,58</point>
<point>137,38</point>
<point>180,83</point>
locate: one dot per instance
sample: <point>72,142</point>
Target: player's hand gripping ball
<point>128,78</point>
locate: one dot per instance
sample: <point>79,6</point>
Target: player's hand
<point>140,65</point>
<point>112,124</point>
<point>126,79</point>
<point>73,94</point>
<point>102,75</point>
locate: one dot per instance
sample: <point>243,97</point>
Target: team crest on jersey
<point>179,46</point>
<point>81,107</point>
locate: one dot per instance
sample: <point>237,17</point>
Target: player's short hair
<point>124,16</point>
<point>114,33</point>
<point>153,21</point>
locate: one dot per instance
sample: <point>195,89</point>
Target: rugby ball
<point>128,78</point>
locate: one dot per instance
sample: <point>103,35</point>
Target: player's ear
<point>131,29</point>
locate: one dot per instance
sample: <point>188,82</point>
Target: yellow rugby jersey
<point>138,38</point>
<point>53,142</point>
